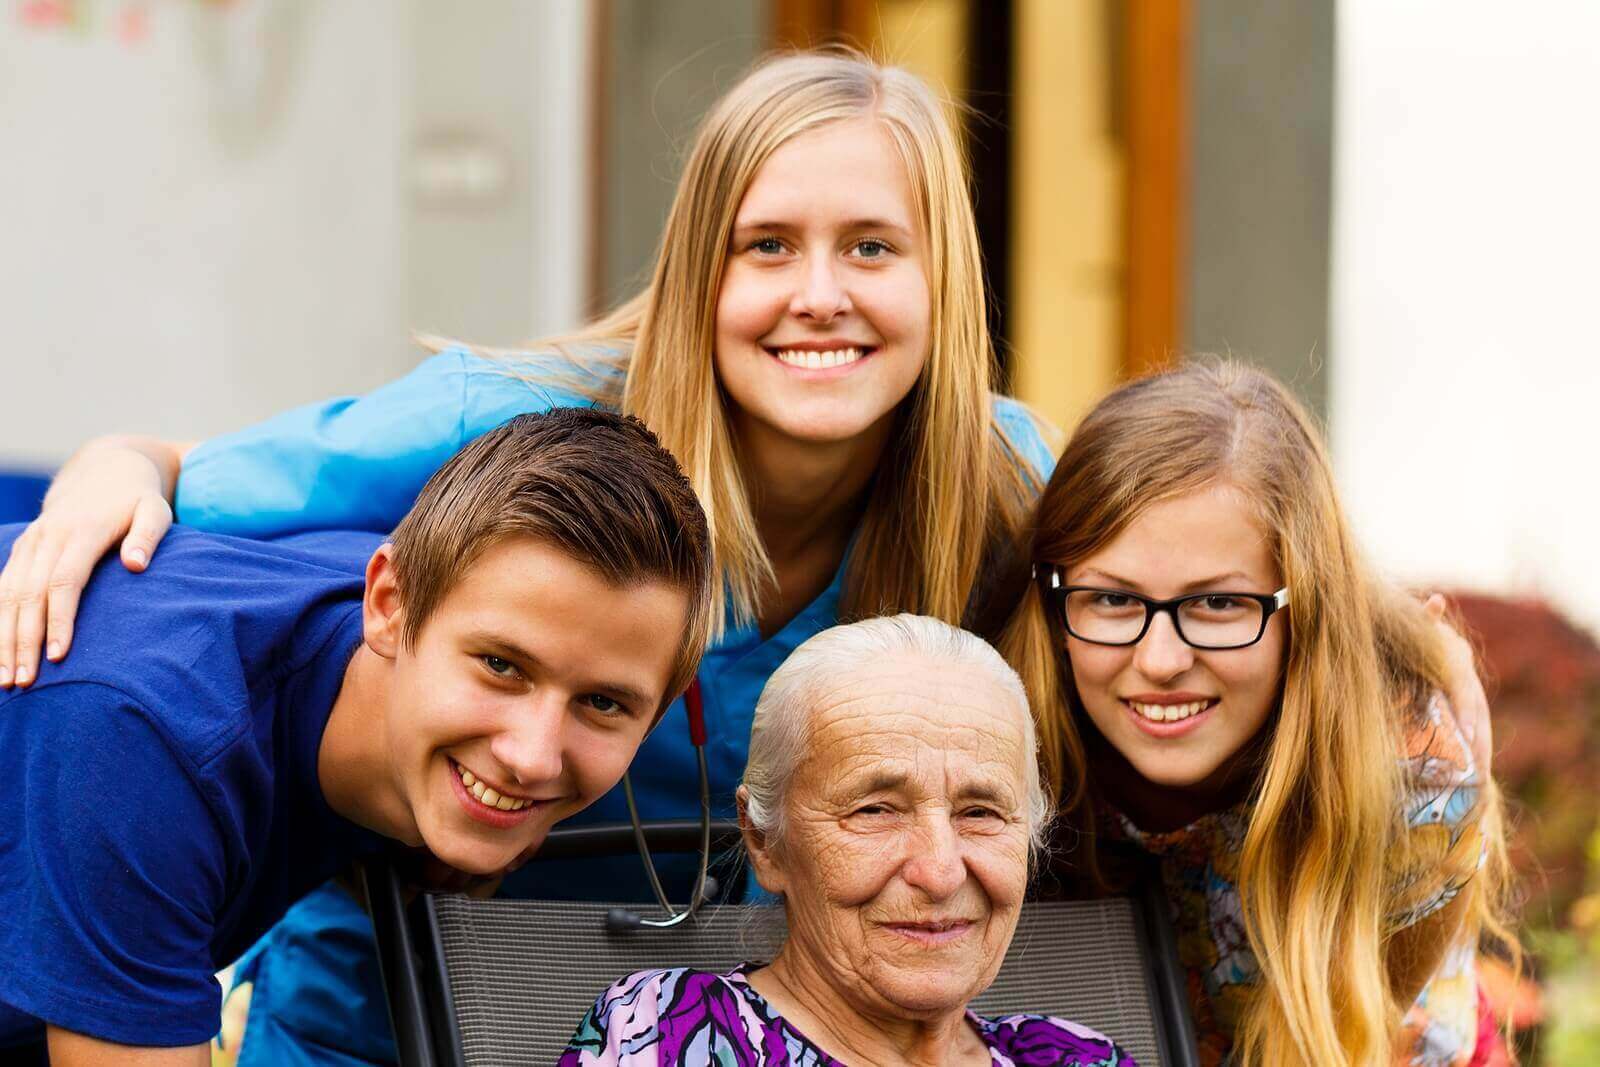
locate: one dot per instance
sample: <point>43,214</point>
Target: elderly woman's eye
<point>873,810</point>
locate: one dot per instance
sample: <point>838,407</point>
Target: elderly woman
<point>893,801</point>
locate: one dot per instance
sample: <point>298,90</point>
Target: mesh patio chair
<point>496,983</point>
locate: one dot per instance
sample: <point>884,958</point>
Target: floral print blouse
<point>688,1018</point>
<point>1200,870</point>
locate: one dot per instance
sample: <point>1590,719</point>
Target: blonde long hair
<point>950,486</point>
<point>1323,834</point>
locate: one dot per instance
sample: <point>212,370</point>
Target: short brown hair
<point>596,485</point>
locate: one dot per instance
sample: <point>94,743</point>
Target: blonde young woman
<point>1221,681</point>
<point>812,347</point>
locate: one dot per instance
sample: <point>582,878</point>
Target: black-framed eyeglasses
<point>1213,621</point>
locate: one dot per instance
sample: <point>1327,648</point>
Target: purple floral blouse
<point>687,1018</point>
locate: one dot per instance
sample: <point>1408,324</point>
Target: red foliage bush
<point>1542,674</point>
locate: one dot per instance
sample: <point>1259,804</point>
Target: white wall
<point>216,223</point>
<point>1466,274</point>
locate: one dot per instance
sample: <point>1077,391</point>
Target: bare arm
<point>113,489</point>
<point>1415,952</point>
<point>68,1049</point>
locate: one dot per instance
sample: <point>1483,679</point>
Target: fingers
<point>19,564</point>
<point>64,584</point>
<point>44,579</point>
<point>152,517</point>
<point>1435,605</point>
<point>32,602</point>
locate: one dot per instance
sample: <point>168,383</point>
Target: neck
<point>353,759</point>
<point>1160,808</point>
<point>802,992</point>
<point>803,493</point>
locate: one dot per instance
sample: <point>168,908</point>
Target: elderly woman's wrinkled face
<point>904,855</point>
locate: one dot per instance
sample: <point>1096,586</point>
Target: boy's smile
<point>490,805</point>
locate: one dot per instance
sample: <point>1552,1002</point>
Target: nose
<point>935,865</point>
<point>1161,654</point>
<point>529,746</point>
<point>821,294</point>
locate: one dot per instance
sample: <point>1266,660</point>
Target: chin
<point>825,426</point>
<point>471,855</point>
<point>1169,776</point>
<point>479,860</point>
<point>928,995</point>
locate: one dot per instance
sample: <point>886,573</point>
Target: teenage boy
<point>240,722</point>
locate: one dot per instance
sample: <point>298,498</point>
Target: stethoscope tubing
<point>694,707</point>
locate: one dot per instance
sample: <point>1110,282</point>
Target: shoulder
<point>210,614</point>
<point>567,374</point>
<point>198,645</point>
<point>1038,1040</point>
<point>1027,432</point>
<point>652,1016</point>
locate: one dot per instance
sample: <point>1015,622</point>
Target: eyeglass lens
<point>1212,621</point>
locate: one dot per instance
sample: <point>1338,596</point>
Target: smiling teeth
<point>488,797</point>
<point>818,360</point>
<point>1169,712</point>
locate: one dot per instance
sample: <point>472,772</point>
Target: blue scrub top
<point>358,464</point>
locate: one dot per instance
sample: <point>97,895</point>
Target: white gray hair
<point>783,712</point>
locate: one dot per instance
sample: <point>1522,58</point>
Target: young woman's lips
<point>1176,719</point>
<point>490,816</point>
<point>811,363</point>
<point>932,935</point>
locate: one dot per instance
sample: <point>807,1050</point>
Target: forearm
<point>1414,954</point>
<point>68,1049</point>
<point>165,456</point>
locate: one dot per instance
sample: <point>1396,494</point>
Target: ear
<point>382,613</point>
<point>769,875</point>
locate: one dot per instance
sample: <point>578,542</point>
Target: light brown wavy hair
<point>1324,838</point>
<point>951,486</point>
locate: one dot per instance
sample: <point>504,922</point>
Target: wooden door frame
<point>1153,101</point>
<point>1154,97</point>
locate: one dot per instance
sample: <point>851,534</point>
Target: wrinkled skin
<point>909,809</point>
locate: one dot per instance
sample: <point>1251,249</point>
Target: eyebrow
<point>882,782</point>
<point>621,692</point>
<point>983,791</point>
<point>888,782</point>
<point>1128,583</point>
<point>852,224</point>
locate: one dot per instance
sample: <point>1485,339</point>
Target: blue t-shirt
<point>358,463</point>
<point>161,806</point>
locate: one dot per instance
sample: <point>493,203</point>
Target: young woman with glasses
<point>1221,682</point>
